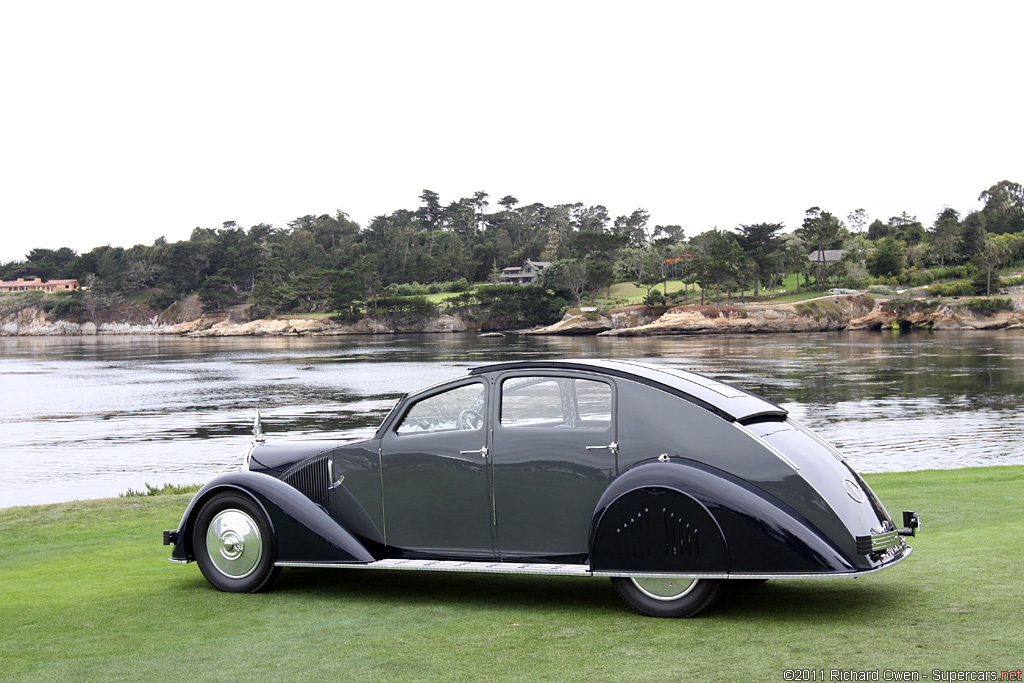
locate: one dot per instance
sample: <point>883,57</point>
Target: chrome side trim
<point>842,575</point>
<point>778,454</point>
<point>171,559</point>
<point>664,575</point>
<point>458,566</point>
<point>487,567</point>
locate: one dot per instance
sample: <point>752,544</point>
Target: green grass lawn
<point>635,294</point>
<point>86,592</point>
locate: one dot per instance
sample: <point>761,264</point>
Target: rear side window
<point>555,402</point>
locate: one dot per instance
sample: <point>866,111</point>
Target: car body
<point>669,482</point>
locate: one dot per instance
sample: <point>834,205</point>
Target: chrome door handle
<point>481,451</point>
<point>613,447</point>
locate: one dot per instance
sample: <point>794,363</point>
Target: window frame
<point>499,400</point>
<point>416,400</point>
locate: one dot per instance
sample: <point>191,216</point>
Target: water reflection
<point>90,417</point>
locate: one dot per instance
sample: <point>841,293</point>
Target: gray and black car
<point>670,483</point>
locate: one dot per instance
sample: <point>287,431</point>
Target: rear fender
<point>303,531</point>
<point>702,520</point>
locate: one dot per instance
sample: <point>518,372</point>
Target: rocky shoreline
<point>824,314</point>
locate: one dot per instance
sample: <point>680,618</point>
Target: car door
<point>436,475</point>
<point>554,453</point>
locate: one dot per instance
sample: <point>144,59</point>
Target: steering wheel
<point>470,419</point>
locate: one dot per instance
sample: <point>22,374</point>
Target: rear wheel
<point>234,545</point>
<point>668,597</point>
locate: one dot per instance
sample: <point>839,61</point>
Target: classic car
<point>668,482</point>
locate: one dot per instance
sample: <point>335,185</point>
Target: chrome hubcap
<point>665,589</point>
<point>234,544</point>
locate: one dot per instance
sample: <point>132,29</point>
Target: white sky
<point>125,121</point>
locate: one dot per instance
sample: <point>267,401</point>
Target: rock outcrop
<point>314,327</point>
<point>575,324</point>
<point>937,315</point>
<point>816,315</point>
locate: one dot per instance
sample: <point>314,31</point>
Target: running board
<point>459,566</point>
<point>491,567</point>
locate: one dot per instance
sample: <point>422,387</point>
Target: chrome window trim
<point>412,400</point>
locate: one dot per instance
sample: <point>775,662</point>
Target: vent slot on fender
<point>312,478</point>
<point>655,529</point>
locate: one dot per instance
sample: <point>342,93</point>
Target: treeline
<point>331,263</point>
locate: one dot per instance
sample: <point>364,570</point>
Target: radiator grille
<point>311,478</point>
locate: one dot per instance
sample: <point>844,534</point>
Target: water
<point>91,417</point>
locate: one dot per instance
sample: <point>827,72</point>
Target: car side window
<point>594,404</point>
<point>555,402</point>
<point>459,408</point>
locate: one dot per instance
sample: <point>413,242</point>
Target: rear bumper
<point>883,542</point>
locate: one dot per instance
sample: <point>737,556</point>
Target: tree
<point>992,254</point>
<point>217,293</point>
<point>973,233</point>
<point>761,243</point>
<point>857,219</point>
<point>1004,207</point>
<point>567,274</point>
<point>879,230</point>
<point>720,260</point>
<point>907,228</point>
<point>820,228</point>
<point>888,258</point>
<point>589,218</point>
<point>345,292</point>
<point>600,245</point>
<point>633,227</point>
<point>479,202</point>
<point>944,235</point>
<point>641,265</point>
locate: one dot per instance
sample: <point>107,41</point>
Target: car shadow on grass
<point>785,600</point>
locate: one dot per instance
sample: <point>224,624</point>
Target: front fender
<point>737,527</point>
<point>303,531</point>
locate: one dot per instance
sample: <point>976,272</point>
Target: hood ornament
<point>257,429</point>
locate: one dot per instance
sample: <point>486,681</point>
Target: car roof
<point>729,402</point>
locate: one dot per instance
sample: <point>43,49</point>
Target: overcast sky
<point>126,121</point>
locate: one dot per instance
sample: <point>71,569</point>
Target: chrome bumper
<point>866,545</point>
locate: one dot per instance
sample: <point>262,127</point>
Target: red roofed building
<point>51,286</point>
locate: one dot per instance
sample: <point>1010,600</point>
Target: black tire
<point>668,597</point>
<point>234,545</point>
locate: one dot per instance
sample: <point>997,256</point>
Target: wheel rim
<point>234,544</point>
<point>665,589</point>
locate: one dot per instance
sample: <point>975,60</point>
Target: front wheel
<point>668,597</point>
<point>234,545</point>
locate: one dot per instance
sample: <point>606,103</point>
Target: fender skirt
<point>303,531</point>
<point>687,517</point>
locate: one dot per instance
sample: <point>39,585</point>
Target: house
<point>50,286</point>
<point>828,256</point>
<point>528,274</point>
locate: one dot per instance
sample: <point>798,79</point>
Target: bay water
<point>90,417</point>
